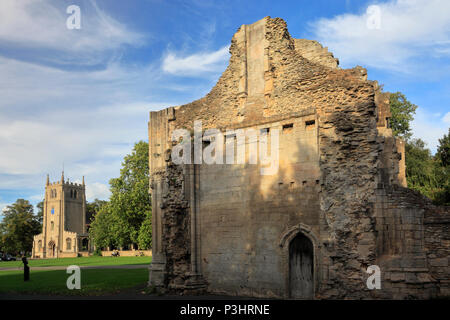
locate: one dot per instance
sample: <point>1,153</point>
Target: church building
<point>64,231</point>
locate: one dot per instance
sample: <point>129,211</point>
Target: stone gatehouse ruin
<point>337,204</point>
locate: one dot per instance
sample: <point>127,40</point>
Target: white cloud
<point>86,120</point>
<point>97,190</point>
<point>89,119</point>
<point>426,127</point>
<point>37,197</point>
<point>446,118</point>
<point>409,29</point>
<point>3,207</point>
<point>196,64</point>
<point>41,24</point>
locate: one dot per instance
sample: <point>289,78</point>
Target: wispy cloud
<point>39,26</point>
<point>87,120</point>
<point>96,190</point>
<point>410,31</point>
<point>3,206</point>
<point>446,118</point>
<point>196,64</point>
<point>430,127</point>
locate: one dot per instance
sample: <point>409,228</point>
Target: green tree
<point>145,234</point>
<point>420,169</point>
<point>101,228</point>
<point>40,213</point>
<point>402,113</point>
<point>92,208</point>
<point>427,174</point>
<point>128,214</point>
<point>442,157</point>
<point>130,202</point>
<point>443,150</point>
<point>18,227</point>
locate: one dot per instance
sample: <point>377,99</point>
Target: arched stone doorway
<point>51,249</point>
<point>301,267</point>
<point>289,245</point>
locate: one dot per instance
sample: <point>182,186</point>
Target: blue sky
<point>82,97</point>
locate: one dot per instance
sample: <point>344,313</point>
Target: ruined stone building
<point>64,231</point>
<point>337,204</point>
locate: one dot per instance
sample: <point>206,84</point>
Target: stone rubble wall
<point>412,244</point>
<point>175,227</point>
<point>437,247</point>
<point>367,220</point>
<point>315,52</point>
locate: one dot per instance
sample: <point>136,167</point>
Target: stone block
<point>397,277</point>
<point>439,262</point>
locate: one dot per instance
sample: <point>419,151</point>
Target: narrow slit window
<point>310,124</point>
<point>287,128</point>
<point>264,131</point>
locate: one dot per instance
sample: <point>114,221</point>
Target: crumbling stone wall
<point>437,247</point>
<point>315,52</point>
<point>176,230</point>
<point>400,244</point>
<point>347,202</point>
<point>349,155</point>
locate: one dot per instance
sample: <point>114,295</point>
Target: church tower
<point>64,231</point>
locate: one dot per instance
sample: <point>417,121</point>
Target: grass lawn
<point>80,261</point>
<point>93,281</point>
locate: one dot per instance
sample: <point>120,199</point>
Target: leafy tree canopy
<point>126,219</point>
<point>443,150</point>
<point>402,113</point>
<point>425,173</point>
<point>18,227</point>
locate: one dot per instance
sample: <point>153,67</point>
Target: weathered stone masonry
<point>339,198</point>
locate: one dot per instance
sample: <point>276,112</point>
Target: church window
<point>39,245</point>
<point>52,226</point>
<point>68,244</point>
